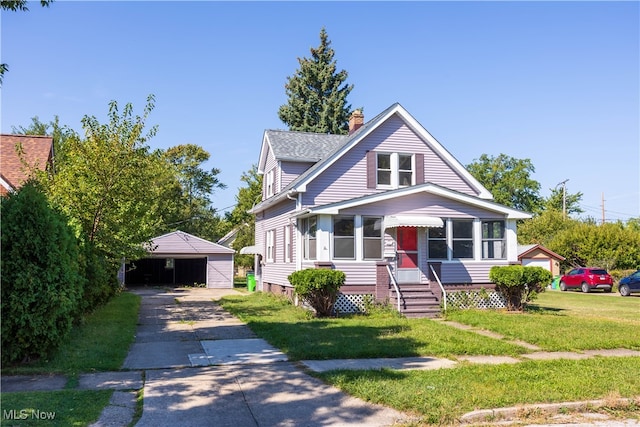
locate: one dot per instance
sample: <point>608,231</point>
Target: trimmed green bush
<point>318,287</point>
<point>100,279</point>
<point>519,285</point>
<point>41,281</point>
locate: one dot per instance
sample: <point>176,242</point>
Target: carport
<point>181,259</point>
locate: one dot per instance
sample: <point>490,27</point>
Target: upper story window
<point>270,183</point>
<point>309,229</point>
<point>395,170</point>
<point>372,237</point>
<point>494,243</point>
<point>462,239</point>
<point>344,238</point>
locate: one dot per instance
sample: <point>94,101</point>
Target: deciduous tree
<point>317,93</point>
<point>509,180</point>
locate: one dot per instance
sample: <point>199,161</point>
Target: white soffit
<point>393,221</point>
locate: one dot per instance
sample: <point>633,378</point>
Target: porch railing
<point>444,293</point>
<point>395,286</point>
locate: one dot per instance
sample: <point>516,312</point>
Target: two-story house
<point>387,204</point>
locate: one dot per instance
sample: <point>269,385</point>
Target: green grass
<point>565,322</point>
<point>295,332</point>
<point>441,396</point>
<point>68,407</point>
<point>100,343</point>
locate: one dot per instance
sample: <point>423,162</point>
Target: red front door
<point>407,253</point>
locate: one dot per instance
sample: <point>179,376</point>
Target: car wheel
<point>624,290</point>
<point>585,287</point>
<point>563,286</point>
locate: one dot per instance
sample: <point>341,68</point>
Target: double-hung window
<point>494,243</point>
<point>344,241</point>
<point>309,228</point>
<point>287,243</point>
<point>462,239</point>
<point>270,183</point>
<point>270,245</point>
<point>394,170</point>
<point>437,242</point>
<point>372,237</point>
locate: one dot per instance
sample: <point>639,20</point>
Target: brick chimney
<point>356,121</point>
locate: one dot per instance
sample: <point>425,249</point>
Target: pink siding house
<point>387,204</point>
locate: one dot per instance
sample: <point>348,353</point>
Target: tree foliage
<point>42,285</point>
<point>109,183</point>
<point>191,199</point>
<point>509,180</point>
<point>240,218</point>
<point>317,93</point>
<point>519,285</point>
<point>571,201</point>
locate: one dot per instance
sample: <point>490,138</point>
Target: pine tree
<point>317,94</point>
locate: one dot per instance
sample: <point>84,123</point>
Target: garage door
<point>537,262</point>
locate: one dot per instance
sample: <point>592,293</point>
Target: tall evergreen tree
<point>317,93</point>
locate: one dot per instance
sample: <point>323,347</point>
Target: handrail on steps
<point>395,286</point>
<point>444,293</point>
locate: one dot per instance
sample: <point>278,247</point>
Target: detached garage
<point>539,256</point>
<point>179,259</point>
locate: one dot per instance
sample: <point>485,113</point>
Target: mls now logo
<point>23,414</point>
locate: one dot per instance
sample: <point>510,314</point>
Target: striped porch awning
<point>394,221</point>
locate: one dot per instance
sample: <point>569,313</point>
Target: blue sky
<point>554,82</point>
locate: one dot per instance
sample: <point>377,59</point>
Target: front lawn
<point>295,332</point>
<point>442,396</point>
<point>560,321</point>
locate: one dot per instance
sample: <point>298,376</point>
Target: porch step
<point>416,301</point>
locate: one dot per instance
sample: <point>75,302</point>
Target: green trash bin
<point>251,281</point>
<point>555,282</point>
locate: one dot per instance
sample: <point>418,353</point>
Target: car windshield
<point>596,271</point>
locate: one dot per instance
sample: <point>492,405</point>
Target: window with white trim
<point>462,239</point>
<point>394,170</point>
<point>372,237</point>
<point>287,243</point>
<point>344,240</point>
<point>270,183</point>
<point>270,239</point>
<point>437,243</point>
<point>309,229</point>
<point>494,242</point>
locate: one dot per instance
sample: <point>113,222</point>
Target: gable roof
<point>524,250</point>
<point>430,188</point>
<point>300,183</point>
<point>298,146</point>
<point>181,243</point>
<point>37,152</point>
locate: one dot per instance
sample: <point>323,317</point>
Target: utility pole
<point>564,197</point>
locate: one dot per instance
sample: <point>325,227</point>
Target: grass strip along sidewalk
<point>557,322</point>
<point>100,343</point>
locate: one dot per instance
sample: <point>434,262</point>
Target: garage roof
<point>179,242</point>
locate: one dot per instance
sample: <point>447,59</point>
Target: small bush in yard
<point>41,276</point>
<point>318,287</point>
<point>519,285</point>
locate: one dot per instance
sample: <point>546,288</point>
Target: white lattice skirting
<point>350,303</point>
<point>476,299</point>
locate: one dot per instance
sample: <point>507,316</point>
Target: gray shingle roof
<point>303,146</point>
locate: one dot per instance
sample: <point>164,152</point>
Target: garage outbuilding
<point>181,259</point>
<point>539,256</point>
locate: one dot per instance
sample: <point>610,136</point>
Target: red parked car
<point>587,279</point>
